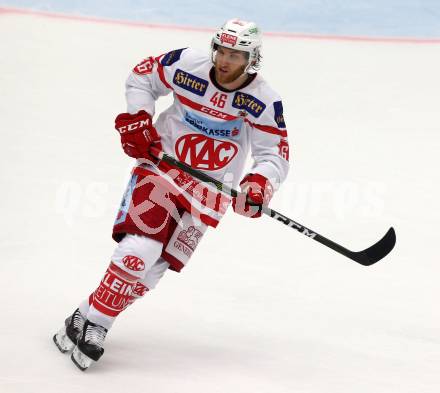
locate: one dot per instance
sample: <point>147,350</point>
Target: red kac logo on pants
<point>134,263</point>
<point>202,152</point>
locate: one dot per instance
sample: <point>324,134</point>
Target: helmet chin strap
<point>249,65</point>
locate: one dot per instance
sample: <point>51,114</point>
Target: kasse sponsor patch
<point>190,82</point>
<point>222,129</point>
<point>248,103</point>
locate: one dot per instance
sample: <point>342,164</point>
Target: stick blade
<point>377,251</point>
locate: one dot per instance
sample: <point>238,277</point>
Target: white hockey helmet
<point>240,35</point>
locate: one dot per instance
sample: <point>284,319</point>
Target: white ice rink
<point>260,308</point>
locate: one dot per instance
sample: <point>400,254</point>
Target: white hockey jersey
<point>208,127</point>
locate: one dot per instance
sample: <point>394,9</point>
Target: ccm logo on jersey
<point>215,113</point>
<point>190,82</point>
<point>133,263</point>
<point>249,103</point>
<point>228,38</point>
<point>202,152</point>
<point>134,126</point>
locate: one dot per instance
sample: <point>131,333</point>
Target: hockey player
<point>222,109</point>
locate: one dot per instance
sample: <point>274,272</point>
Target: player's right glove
<point>137,134</point>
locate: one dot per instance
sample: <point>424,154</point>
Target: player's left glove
<point>256,189</point>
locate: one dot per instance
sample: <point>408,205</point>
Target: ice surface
<point>260,308</point>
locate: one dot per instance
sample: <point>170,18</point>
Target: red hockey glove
<point>137,134</point>
<point>255,189</point>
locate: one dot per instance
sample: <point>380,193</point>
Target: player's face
<point>229,64</point>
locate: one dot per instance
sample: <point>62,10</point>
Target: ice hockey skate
<point>66,338</point>
<point>90,345</point>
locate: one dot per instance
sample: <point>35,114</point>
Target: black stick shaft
<point>366,257</point>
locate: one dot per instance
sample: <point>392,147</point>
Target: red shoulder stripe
<point>270,130</point>
<point>161,72</point>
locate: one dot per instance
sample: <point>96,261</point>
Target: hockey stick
<point>366,257</point>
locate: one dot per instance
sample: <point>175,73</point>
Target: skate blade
<point>63,342</point>
<point>81,361</point>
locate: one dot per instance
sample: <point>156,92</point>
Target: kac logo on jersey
<point>279,118</point>
<point>190,82</point>
<point>248,103</point>
<point>202,152</point>
<point>222,129</point>
<point>171,57</point>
